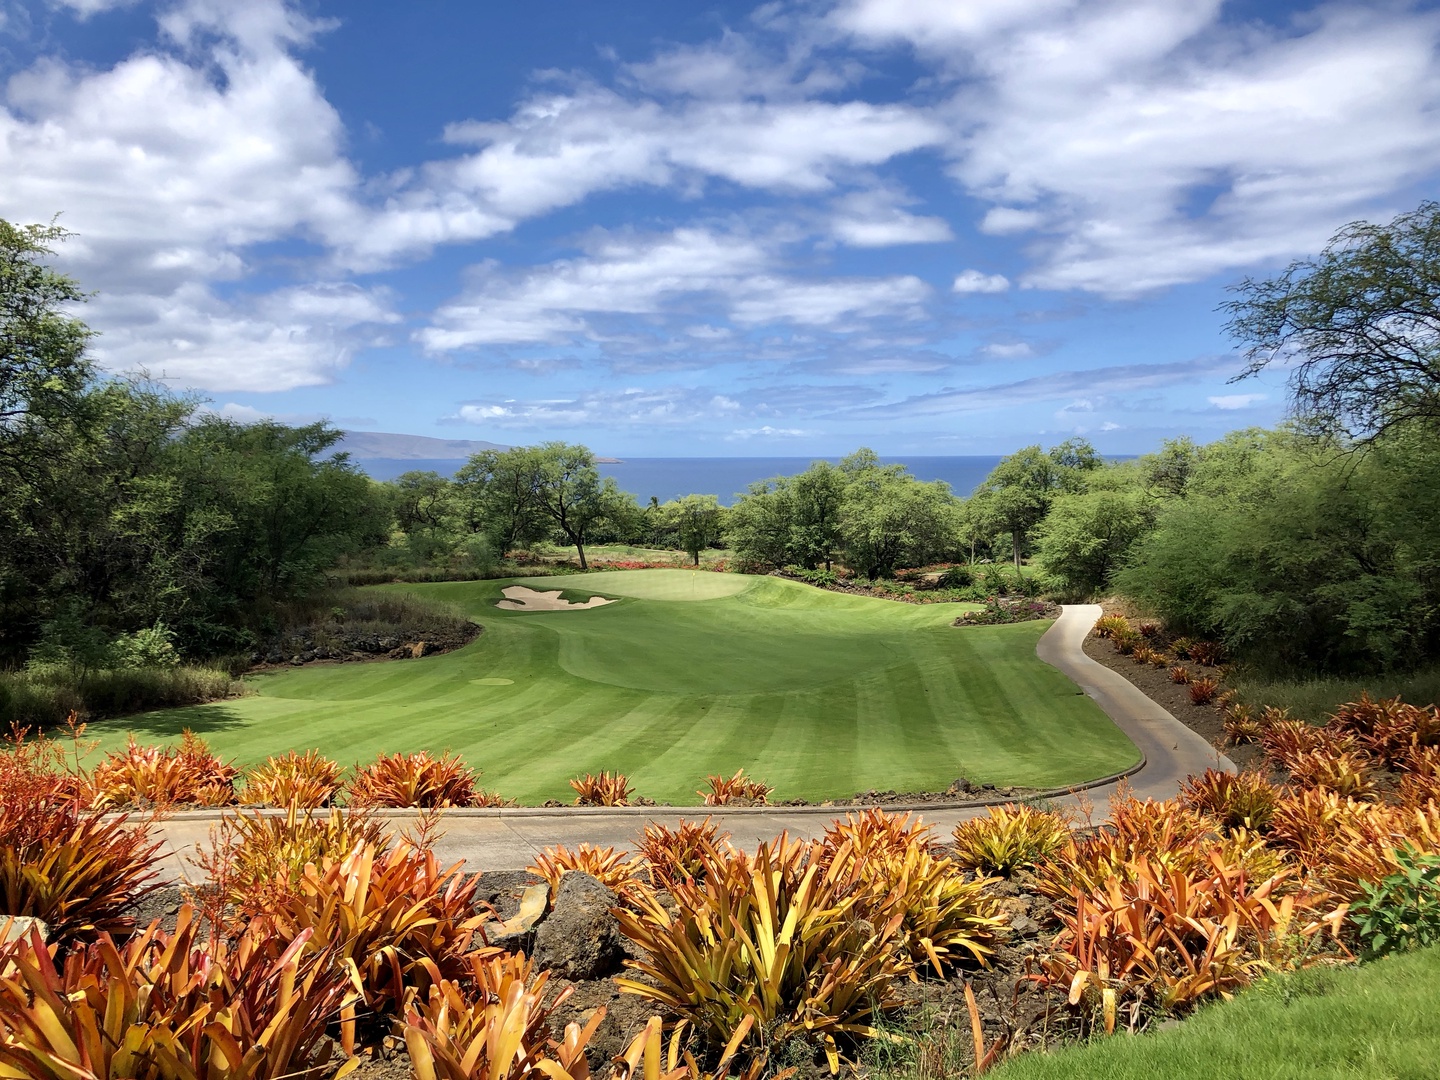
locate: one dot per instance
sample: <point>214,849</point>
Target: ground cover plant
<point>690,674</point>
<point>1323,1023</point>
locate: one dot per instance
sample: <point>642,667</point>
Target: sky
<point>709,229</point>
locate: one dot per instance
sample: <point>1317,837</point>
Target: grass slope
<point>819,693</point>
<point>1377,1021</point>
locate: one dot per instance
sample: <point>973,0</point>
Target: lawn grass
<point>819,693</point>
<point>1377,1021</point>
<point>1315,699</point>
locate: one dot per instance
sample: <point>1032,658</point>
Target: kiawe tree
<point>696,521</point>
<point>1359,327</point>
<point>566,488</point>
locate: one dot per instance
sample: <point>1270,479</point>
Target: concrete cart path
<point>510,839</point>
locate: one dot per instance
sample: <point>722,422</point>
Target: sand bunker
<point>519,598</point>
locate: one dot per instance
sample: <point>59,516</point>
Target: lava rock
<point>19,928</point>
<point>580,939</point>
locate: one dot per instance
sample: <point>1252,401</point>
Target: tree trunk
<point>580,550</point>
<point>1015,547</point>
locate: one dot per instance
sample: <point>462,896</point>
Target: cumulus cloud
<point>973,281</point>
<point>1236,401</point>
<point>869,219</point>
<point>653,275</point>
<point>1149,143</point>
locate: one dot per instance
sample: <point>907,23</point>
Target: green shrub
<point>821,578</point>
<point>43,696</point>
<point>956,577</point>
<point>1402,910</point>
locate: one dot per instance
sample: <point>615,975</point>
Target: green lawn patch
<point>1377,1021</point>
<point>689,673</point>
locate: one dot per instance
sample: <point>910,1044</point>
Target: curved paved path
<point>510,839</point>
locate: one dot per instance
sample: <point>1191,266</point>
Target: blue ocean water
<point>669,478</point>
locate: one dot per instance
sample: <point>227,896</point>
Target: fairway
<point>819,693</point>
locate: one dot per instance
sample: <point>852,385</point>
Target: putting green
<point>689,673</point>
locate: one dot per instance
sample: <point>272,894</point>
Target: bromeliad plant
<point>417,780</point>
<point>308,781</point>
<point>775,938</point>
<point>726,789</point>
<point>606,865</point>
<point>1245,800</point>
<point>255,861</point>
<point>163,776</point>
<point>607,789</point>
<point>1167,937</point>
<point>678,854</point>
<point>171,1006</point>
<point>494,1025</point>
<point>72,868</point>
<point>1008,839</point>
<point>946,919</point>
<point>394,917</point>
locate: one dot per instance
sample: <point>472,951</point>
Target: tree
<point>1086,536</point>
<point>760,524</point>
<point>888,517</point>
<point>43,366</point>
<point>566,487</point>
<point>1018,493</point>
<point>1360,324</point>
<point>493,496</point>
<point>696,520</point>
<point>817,496</point>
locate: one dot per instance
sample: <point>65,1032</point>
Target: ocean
<point>669,478</point>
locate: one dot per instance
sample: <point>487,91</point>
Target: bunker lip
<point>520,598</point>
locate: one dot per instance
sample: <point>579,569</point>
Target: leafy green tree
<point>492,493</point>
<point>1359,326</point>
<point>817,496</point>
<point>697,521</point>
<point>760,524</point>
<point>1086,536</point>
<point>566,488</point>
<point>889,518</point>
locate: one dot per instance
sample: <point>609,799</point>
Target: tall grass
<point>42,697</point>
<point>1316,698</point>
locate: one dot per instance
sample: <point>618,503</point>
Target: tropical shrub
<point>309,780</point>
<point>171,1006</point>
<point>255,861</point>
<point>1401,910</point>
<point>1420,783</point>
<point>797,962</point>
<point>1340,842</point>
<point>678,854</point>
<point>1203,691</point>
<point>494,1025</point>
<point>1143,654</point>
<point>1244,800</point>
<point>1205,653</point>
<point>1283,739</point>
<point>1166,937</point>
<point>1008,838</point>
<point>163,776</point>
<point>72,868</point>
<point>1134,831</point>
<point>607,789</point>
<point>1181,647</point>
<point>395,915</point>
<point>724,789</point>
<point>1107,625</point>
<point>946,919</point>
<point>606,865</point>
<point>1241,725</point>
<point>1344,772</point>
<point>1126,641</point>
<point>420,780</point>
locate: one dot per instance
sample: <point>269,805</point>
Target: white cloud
<point>1236,401</point>
<point>1057,385</point>
<point>875,219</point>
<point>973,281</point>
<point>662,275</point>
<point>1009,350</point>
<point>1154,143</point>
<point>768,432</point>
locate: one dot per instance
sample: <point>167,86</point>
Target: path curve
<point>508,839</point>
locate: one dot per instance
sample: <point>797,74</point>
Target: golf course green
<point>821,694</point>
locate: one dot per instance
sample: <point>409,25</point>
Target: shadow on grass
<point>169,723</point>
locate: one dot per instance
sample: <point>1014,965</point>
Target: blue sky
<point>925,226</point>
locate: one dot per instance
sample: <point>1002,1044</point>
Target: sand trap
<point>519,598</point>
